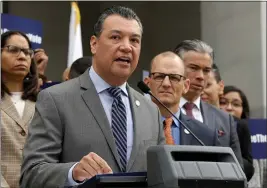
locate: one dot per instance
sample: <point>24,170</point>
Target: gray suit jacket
<point>70,122</point>
<point>207,135</point>
<point>225,126</point>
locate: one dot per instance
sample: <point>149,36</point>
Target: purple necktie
<point>189,109</point>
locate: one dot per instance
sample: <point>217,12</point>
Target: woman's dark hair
<point>245,113</point>
<point>30,82</point>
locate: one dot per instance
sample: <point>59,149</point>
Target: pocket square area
<point>221,132</point>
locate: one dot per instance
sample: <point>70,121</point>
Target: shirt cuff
<point>71,181</point>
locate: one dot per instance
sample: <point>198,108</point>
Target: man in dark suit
<point>94,124</point>
<point>198,58</point>
<point>167,82</point>
<point>245,146</point>
<point>212,94</point>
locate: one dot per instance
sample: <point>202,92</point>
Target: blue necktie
<point>119,125</point>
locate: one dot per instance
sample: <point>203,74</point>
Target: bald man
<point>168,83</point>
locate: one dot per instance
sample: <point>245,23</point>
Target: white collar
<point>101,85</point>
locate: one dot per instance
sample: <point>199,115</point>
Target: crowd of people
<point>94,122</point>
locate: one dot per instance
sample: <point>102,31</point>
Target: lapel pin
<point>186,131</point>
<point>137,103</point>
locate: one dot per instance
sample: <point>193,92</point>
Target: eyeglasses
<point>17,50</point>
<point>234,103</point>
<point>159,77</point>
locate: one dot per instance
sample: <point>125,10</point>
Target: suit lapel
<point>8,107</point>
<point>136,129</point>
<point>28,112</point>
<point>208,115</point>
<point>186,137</point>
<point>92,100</point>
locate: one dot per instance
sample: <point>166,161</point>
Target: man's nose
<point>200,75</point>
<point>166,82</point>
<point>126,45</point>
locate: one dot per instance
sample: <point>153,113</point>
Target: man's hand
<point>41,59</point>
<point>89,166</point>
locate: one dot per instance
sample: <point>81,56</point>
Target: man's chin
<point>194,92</point>
<point>166,102</point>
<point>122,73</point>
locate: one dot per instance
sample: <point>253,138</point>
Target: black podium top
<point>121,180</point>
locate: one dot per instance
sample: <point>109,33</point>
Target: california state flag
<point>75,37</point>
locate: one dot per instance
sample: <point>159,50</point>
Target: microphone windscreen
<point>141,85</point>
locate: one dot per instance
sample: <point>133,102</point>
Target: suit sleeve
<point>246,149</point>
<point>234,142</point>
<point>41,155</point>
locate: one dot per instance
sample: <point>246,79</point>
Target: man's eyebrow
<point>136,35</point>
<point>115,31</point>
<point>119,32</point>
<point>192,64</point>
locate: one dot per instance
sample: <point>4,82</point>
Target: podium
<point>180,167</point>
<point>193,167</point>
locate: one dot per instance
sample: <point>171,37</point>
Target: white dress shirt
<point>18,102</point>
<point>196,110</point>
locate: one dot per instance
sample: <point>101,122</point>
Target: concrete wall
<point>233,29</point>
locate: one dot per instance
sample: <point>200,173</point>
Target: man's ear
<point>186,86</point>
<point>146,80</point>
<point>93,44</point>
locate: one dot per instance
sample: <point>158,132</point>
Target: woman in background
<point>239,104</point>
<point>216,94</point>
<point>19,87</point>
<point>235,102</point>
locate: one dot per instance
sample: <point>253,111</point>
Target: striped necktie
<point>119,124</point>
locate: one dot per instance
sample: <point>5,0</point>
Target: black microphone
<point>146,90</point>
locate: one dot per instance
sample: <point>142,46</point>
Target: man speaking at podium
<point>167,82</point>
<point>95,123</point>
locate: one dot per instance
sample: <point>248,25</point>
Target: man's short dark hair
<point>119,10</point>
<point>216,72</point>
<point>79,66</point>
<point>193,45</point>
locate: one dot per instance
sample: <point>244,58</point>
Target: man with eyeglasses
<point>198,59</point>
<point>167,82</point>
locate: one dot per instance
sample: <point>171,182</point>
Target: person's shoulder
<point>241,122</point>
<point>64,87</point>
<point>216,110</point>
